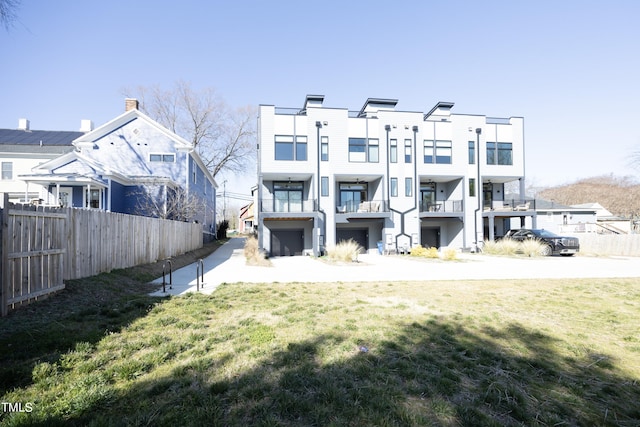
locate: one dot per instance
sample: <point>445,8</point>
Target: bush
<point>345,251</point>
<point>501,247</point>
<point>450,254</point>
<point>532,247</point>
<point>253,254</point>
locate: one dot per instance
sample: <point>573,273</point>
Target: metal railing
<point>287,206</point>
<point>164,282</point>
<point>368,206</point>
<point>443,206</point>
<point>199,274</point>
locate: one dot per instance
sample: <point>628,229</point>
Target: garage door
<point>287,242</point>
<point>358,235</point>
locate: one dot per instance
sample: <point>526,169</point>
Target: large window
<point>287,197</point>
<point>364,150</point>
<point>393,151</point>
<point>407,151</point>
<point>324,148</point>
<point>437,151</point>
<point>7,170</point>
<point>394,187</point>
<point>499,153</point>
<point>288,147</point>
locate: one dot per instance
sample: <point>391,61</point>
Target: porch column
<point>87,198</point>
<point>57,194</point>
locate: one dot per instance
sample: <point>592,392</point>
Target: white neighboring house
<point>23,149</point>
<point>386,178</point>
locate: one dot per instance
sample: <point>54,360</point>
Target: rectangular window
<point>499,153</point>
<point>428,151</point>
<point>394,187</point>
<point>407,151</point>
<point>7,170</point>
<point>505,153</point>
<point>393,151</point>
<point>194,168</point>
<point>166,158</point>
<point>408,187</point>
<point>324,148</point>
<point>301,148</point>
<point>472,153</point>
<point>491,153</point>
<point>364,150</point>
<point>284,147</point>
<point>373,150</point>
<point>443,152</point>
<point>357,150</point>
<point>324,186</point>
<point>472,187</point>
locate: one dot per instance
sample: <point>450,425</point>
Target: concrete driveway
<point>227,265</point>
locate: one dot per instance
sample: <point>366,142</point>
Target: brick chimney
<point>130,104</point>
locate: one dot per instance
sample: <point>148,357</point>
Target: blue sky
<point>570,68</point>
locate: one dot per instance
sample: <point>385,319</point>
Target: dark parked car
<point>555,245</point>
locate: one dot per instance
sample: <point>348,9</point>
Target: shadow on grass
<point>86,311</point>
<point>437,372</point>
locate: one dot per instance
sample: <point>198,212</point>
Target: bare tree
<point>164,202</point>
<point>8,12</point>
<point>223,137</point>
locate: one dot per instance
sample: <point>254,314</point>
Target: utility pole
<point>224,200</point>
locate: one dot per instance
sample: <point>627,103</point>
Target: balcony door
<point>287,196</point>
<point>427,196</point>
<point>351,195</point>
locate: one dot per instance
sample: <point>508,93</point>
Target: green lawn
<point>527,352</point>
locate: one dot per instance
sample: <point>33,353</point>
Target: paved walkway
<point>227,265</point>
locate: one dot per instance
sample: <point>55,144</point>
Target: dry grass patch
<point>344,251</point>
<point>253,254</point>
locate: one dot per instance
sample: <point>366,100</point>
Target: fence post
<point>4,265</point>
<point>199,274</point>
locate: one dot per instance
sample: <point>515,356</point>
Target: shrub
<point>450,254</point>
<point>501,247</point>
<point>253,254</point>
<point>221,232</point>
<point>532,247</point>
<point>419,251</point>
<point>345,251</point>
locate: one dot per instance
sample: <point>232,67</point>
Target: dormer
<point>373,105</point>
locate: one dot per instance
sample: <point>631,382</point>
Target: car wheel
<point>567,254</point>
<point>546,250</point>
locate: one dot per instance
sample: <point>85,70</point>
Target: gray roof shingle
<point>36,137</point>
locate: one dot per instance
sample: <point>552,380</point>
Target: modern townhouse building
<point>386,178</point>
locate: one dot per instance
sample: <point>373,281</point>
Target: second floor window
<point>287,197</point>
<point>7,170</point>
<point>394,187</point>
<point>472,152</point>
<point>499,153</point>
<point>408,187</point>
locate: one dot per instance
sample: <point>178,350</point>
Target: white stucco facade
<point>402,178</point>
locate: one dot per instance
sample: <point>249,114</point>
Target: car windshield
<point>544,233</point>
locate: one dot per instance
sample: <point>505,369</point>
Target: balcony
<point>288,206</point>
<point>510,205</point>
<point>442,206</point>
<point>370,206</point>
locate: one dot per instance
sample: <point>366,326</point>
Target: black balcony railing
<point>510,205</point>
<point>443,206</point>
<point>288,206</point>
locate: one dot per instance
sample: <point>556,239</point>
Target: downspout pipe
<point>478,189</point>
<point>317,251</point>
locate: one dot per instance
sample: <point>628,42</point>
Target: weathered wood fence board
<point>42,247</point>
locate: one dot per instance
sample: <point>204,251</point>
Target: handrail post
<point>199,274</point>
<point>164,282</point>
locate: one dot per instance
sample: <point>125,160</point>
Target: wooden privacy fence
<point>43,246</point>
